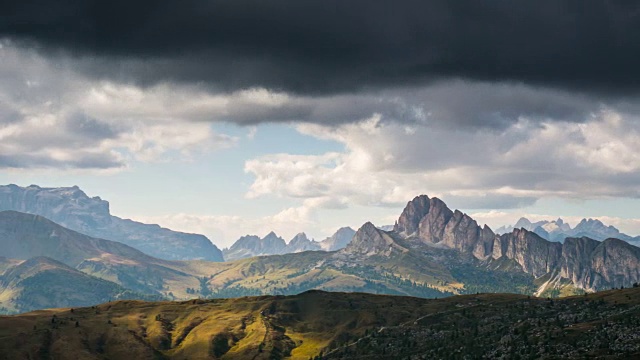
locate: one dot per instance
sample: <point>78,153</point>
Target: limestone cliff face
<point>588,263</point>
<point>450,229</point>
<point>415,210</point>
<point>431,228</point>
<point>576,255</point>
<point>484,245</point>
<point>73,209</point>
<point>536,255</point>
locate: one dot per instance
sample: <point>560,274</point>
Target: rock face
<point>534,254</point>
<point>369,241</point>
<point>339,240</point>
<point>597,265</point>
<point>415,210</point>
<point>433,223</point>
<point>589,264</point>
<point>72,208</point>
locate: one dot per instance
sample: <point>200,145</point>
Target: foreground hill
<point>72,208</point>
<point>336,326</point>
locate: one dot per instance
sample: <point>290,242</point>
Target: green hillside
<point>336,325</point>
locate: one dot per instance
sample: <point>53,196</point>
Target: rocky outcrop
<point>440,226</point>
<point>73,209</point>
<point>415,210</point>
<point>587,263</point>
<point>576,255</point>
<point>370,241</point>
<point>594,265</point>
<point>534,254</point>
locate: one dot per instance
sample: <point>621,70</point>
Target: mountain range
<point>432,251</point>
<point>558,230</point>
<point>251,245</point>
<point>73,209</point>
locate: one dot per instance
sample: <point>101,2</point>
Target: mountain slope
<point>336,325</point>
<point>72,208</point>
<point>24,236</point>
<point>41,282</point>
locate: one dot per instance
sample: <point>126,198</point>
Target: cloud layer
<point>334,46</point>
<point>56,118</point>
<point>388,164</point>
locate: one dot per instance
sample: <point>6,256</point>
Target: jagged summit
<point>415,210</point>
<point>272,244</point>
<point>558,230</point>
<point>339,240</point>
<point>369,241</point>
<point>586,263</point>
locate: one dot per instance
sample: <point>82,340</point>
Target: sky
<point>241,117</point>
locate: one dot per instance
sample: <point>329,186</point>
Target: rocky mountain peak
<point>523,223</point>
<point>300,238</point>
<point>300,243</point>
<point>410,218</point>
<point>339,240</point>
<point>369,241</point>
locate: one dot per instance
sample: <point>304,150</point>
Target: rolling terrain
<point>41,283</point>
<point>324,325</point>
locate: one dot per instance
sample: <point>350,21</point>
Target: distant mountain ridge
<point>583,262</point>
<point>558,230</point>
<point>72,208</point>
<point>252,245</point>
<point>432,251</point>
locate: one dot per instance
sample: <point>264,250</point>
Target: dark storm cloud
<point>329,46</point>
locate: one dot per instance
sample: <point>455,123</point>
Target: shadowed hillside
<point>41,282</point>
<point>336,325</point>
